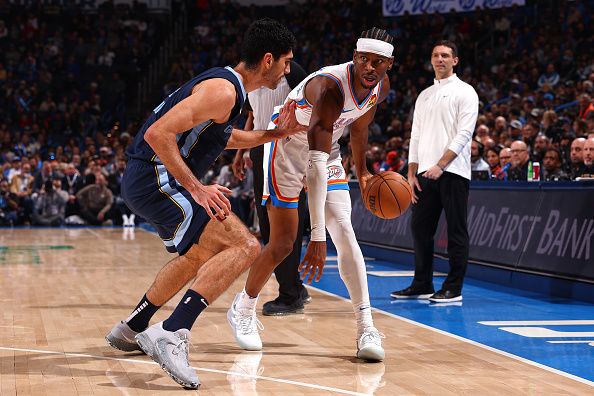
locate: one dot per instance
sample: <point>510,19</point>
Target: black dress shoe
<point>277,307</point>
<point>444,296</point>
<point>412,293</point>
<point>305,297</point>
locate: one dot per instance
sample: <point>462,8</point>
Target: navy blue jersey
<point>201,145</point>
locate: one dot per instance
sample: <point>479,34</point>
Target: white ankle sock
<point>245,303</point>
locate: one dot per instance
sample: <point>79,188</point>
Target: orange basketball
<point>387,195</point>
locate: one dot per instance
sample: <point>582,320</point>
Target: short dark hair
<point>263,36</point>
<point>450,44</point>
<point>377,34</point>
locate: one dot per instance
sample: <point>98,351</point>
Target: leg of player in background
<point>292,294</point>
<point>351,266</point>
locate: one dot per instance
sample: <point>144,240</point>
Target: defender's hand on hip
<point>213,200</point>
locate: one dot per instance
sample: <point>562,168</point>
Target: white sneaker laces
<point>374,337</point>
<point>182,347</point>
<point>249,324</point>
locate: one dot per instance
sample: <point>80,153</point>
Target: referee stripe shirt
<point>263,100</point>
<point>444,118</point>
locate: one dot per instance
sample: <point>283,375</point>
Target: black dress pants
<point>450,194</point>
<point>287,273</point>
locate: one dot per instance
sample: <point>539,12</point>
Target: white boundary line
<point>475,343</point>
<point>259,377</point>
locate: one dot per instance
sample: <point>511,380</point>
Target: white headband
<point>375,47</point>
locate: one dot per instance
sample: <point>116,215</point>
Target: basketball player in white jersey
<point>327,101</point>
<point>260,104</point>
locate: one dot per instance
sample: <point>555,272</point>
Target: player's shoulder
<point>219,89</point>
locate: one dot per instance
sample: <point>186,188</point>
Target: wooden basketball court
<point>61,290</point>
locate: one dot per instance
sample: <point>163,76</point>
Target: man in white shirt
<point>439,172</point>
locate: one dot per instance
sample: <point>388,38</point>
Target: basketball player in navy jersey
<point>175,147</point>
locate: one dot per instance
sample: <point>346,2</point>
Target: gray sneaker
<point>121,337</point>
<point>170,350</point>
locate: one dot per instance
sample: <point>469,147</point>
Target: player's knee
<point>251,248</point>
<point>281,248</point>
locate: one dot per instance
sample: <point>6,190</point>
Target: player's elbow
<point>151,136</point>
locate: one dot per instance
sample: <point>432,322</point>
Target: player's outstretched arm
<point>287,126</point>
<point>210,100</point>
<point>327,101</point>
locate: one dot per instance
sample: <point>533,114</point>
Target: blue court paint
<point>485,301</point>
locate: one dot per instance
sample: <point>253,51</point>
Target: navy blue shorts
<point>153,193</point>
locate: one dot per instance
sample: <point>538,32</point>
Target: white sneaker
<point>245,328</point>
<point>369,345</point>
<point>170,350</point>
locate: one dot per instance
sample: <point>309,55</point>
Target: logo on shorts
<point>229,129</point>
<point>334,171</point>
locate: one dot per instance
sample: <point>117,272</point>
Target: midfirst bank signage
<point>545,230</point>
<point>414,7</point>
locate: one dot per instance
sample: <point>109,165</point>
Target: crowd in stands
<point>63,74</point>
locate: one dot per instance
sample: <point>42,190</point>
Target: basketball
<point>387,195</point>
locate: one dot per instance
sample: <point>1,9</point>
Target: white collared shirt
<point>444,118</point>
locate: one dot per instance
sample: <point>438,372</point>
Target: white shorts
<point>285,164</point>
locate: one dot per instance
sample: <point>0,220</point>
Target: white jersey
<point>285,160</point>
<point>351,110</point>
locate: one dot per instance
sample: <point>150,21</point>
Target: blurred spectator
<point>123,215</point>
<point>505,164</point>
<point>14,170</point>
<point>493,161</point>
<point>529,132</point>
<point>519,169</point>
<point>552,166</point>
<point>95,201</point>
<point>515,130</point>
<point>588,158</point>
<point>392,163</point>
<point>575,167</point>
<point>586,106</point>
<point>550,78</point>
<point>50,205</point>
<point>8,205</point>
<point>541,145</point>
<point>477,163</point>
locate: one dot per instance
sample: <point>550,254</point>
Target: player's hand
<point>238,165</point>
<point>363,180</point>
<point>414,183</point>
<point>213,200</point>
<point>433,173</point>
<point>287,121</point>
<point>313,261</point>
